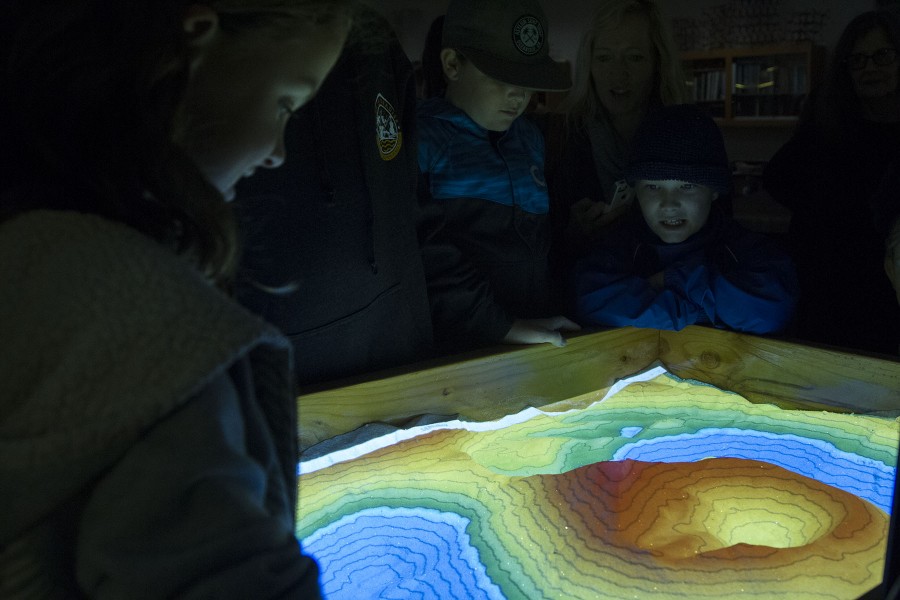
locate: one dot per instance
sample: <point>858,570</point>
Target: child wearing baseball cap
<point>482,166</point>
<point>681,260</point>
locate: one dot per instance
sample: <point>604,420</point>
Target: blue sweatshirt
<point>490,191</point>
<point>724,275</point>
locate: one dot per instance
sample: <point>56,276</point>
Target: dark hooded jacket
<point>843,197</point>
<point>492,196</point>
<point>335,226</point>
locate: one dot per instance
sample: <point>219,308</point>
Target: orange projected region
<point>667,489</point>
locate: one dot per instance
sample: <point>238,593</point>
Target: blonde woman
<point>627,64</point>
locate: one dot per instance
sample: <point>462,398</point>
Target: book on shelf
<point>708,85</point>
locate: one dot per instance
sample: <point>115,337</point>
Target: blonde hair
<point>582,104</point>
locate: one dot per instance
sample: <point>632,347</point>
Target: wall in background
<point>411,19</point>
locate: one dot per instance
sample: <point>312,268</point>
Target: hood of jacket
<point>104,331</point>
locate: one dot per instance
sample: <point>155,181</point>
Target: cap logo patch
<point>528,35</point>
<point>387,129</point>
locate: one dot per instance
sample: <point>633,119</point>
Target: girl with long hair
<point>147,422</point>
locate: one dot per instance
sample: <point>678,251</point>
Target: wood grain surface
<point>498,381</point>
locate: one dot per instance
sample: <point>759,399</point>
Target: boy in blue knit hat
<point>682,260</point>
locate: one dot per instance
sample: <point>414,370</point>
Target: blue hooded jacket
<point>724,275</point>
<point>490,191</point>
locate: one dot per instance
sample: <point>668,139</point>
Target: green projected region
<point>666,489</point>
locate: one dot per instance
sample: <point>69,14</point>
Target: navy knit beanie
<point>680,142</point>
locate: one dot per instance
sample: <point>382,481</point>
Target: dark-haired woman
<point>839,176</point>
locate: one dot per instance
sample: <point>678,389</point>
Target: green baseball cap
<point>506,40</point>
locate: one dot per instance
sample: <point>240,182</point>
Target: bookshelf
<point>753,85</point>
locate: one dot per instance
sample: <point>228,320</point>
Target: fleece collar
<point>104,332</point>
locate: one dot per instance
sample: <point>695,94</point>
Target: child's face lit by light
<point>243,89</point>
<point>490,103</point>
<point>673,209</point>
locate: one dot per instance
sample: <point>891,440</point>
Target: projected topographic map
<point>665,488</point>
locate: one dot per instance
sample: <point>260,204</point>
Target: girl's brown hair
<point>88,93</point>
